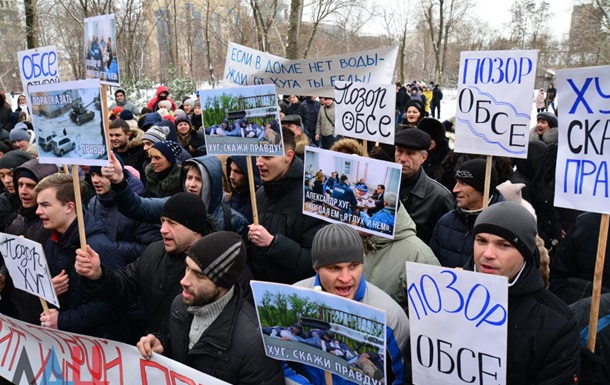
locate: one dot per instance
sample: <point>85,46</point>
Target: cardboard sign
<point>101,60</point>
<point>583,156</point>
<point>459,322</point>
<point>365,111</point>
<point>341,188</point>
<point>38,66</point>
<point>37,355</point>
<point>246,66</point>
<point>242,121</point>
<point>335,333</point>
<point>494,102</point>
<point>27,265</point>
<point>68,122</point>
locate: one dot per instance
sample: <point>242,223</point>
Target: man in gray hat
<point>425,199</point>
<point>337,256</point>
<point>212,327</point>
<point>543,334</point>
<point>301,137</point>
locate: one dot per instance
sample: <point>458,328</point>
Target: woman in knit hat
<point>163,174</point>
<point>414,113</point>
<point>188,137</point>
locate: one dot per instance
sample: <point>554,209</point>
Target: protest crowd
<point>172,244</point>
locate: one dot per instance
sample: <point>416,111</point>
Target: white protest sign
<point>67,119</point>
<point>27,265</point>
<point>101,60</point>
<point>475,305</point>
<point>342,188</point>
<point>246,66</point>
<point>38,66</point>
<point>34,354</point>
<point>365,111</point>
<point>336,334</point>
<point>494,102</point>
<point>583,156</point>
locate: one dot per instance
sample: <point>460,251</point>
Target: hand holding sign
<point>61,282</point>
<point>50,320</point>
<point>148,345</point>
<point>88,263</point>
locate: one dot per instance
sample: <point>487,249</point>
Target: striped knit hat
<point>221,256</point>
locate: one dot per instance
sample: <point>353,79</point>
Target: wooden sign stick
<point>252,190</point>
<point>104,113</point>
<point>79,208</point>
<point>597,280</point>
<point>45,306</point>
<point>486,192</point>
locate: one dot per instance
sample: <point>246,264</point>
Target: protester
<point>546,128</point>
<point>163,172</point>
<point>212,327</point>
<point>325,125</point>
<point>127,142</point>
<point>238,198</point>
<point>121,101</point>
<point>9,200</point>
<point>162,94</point>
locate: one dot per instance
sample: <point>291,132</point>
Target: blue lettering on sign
<point>241,56</point>
<point>496,70</point>
<point>237,77</point>
<point>277,67</point>
<point>469,304</point>
<point>589,172</point>
<point>37,65</point>
<point>580,95</point>
<point>362,61</point>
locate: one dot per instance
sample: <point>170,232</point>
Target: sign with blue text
<point>27,265</point>
<point>68,123</point>
<point>322,332</point>
<point>494,103</point>
<point>583,157</point>
<point>473,349</point>
<point>365,111</point>
<point>246,66</point>
<point>101,60</point>
<point>38,66</point>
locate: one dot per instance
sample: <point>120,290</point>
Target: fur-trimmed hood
<point>549,137</point>
<point>135,139</point>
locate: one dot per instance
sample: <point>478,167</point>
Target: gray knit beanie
<point>512,222</point>
<point>336,243</point>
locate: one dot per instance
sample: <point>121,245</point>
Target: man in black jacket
<point>212,327</point>
<point>543,334</point>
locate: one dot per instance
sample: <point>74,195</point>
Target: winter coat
<point>300,109</point>
<point>164,184</point>
<point>543,335</point>
<point>401,99</point>
<point>437,96</point>
<point>325,122</point>
<point>153,104</point>
<point>540,99</point>
<point>549,137</point>
<point>551,93</point>
<point>573,266</point>
<point>127,105</point>
<point>134,155</point>
<point>240,200</point>
<point>230,349</point>
<point>313,109</point>
<point>384,259</point>
<point>80,313</point>
<point>280,209</point>
<point>452,239</point>
<point>344,192</point>
<point>426,202</point>
<point>154,277</point>
<point>9,204</point>
<point>397,331</point>
<point>130,237</point>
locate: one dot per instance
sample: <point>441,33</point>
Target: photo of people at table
<point>351,189</point>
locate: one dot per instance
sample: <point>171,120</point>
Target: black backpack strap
<point>226,209</point>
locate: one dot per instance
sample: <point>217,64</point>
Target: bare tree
<point>294,29</point>
<point>264,12</point>
<point>529,21</point>
<point>31,24</point>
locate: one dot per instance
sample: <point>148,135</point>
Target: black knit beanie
<point>336,243</point>
<point>472,172</point>
<point>221,256</point>
<point>188,210</point>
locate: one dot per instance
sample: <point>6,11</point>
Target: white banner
<point>365,111</point>
<point>27,265</point>
<point>246,66</point>
<point>494,103</point>
<point>459,322</point>
<point>38,66</point>
<point>582,180</point>
<point>34,354</point>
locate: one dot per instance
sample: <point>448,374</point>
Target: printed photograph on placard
<point>319,332</point>
<point>242,121</point>
<point>100,49</point>
<point>68,125</point>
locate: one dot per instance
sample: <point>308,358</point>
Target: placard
<point>459,325</point>
<point>582,179</point>
<point>494,102</point>
<point>245,66</point>
<point>27,265</point>
<point>365,111</point>
<point>101,60</point>
<point>38,66</point>
<point>33,354</point>
<point>242,121</point>
<point>341,188</point>
<point>321,330</point>
<point>68,122</point>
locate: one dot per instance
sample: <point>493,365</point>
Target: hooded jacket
<point>153,104</point>
<point>230,349</point>
<point>543,334</point>
<point>127,105</point>
<point>280,209</point>
<point>549,137</point>
<point>384,258</point>
<point>240,200</point>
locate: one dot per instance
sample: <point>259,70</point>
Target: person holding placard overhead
<point>425,199</point>
<point>543,334</point>
<point>79,313</point>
